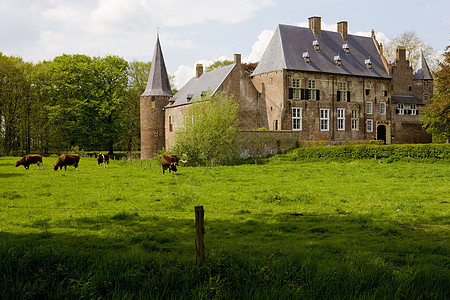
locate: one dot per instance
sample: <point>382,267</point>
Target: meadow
<point>364,229</point>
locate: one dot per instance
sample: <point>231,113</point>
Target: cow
<point>27,160</point>
<point>170,161</point>
<point>65,160</point>
<point>103,159</point>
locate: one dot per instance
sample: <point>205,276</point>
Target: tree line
<point>72,101</point>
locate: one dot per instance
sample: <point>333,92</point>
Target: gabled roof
<point>209,81</point>
<point>286,48</point>
<point>158,82</point>
<point>422,71</point>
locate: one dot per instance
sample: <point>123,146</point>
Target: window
<point>354,119</point>
<point>153,105</point>
<point>369,108</point>
<point>346,48</point>
<point>368,88</point>
<point>400,110</point>
<point>316,45</point>
<point>383,90</point>
<point>324,119</point>
<point>170,124</point>
<point>296,118</point>
<point>310,93</point>
<point>369,125</point>
<point>295,88</point>
<point>312,89</point>
<point>342,94</point>
<point>382,108</point>
<point>413,110</point>
<point>341,118</point>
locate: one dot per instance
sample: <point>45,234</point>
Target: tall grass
<point>357,229</point>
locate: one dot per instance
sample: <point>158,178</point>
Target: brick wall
<point>152,124</point>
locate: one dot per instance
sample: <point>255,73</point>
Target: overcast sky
<point>198,31</point>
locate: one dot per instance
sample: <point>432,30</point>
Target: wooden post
<point>199,234</point>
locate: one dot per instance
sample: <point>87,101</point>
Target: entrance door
<point>381,133</point>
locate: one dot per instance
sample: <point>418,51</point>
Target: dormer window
<point>306,57</point>
<point>346,48</point>
<point>316,45</point>
<point>338,60</point>
<point>189,97</point>
<point>368,63</point>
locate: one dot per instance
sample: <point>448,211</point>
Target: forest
<point>71,102</point>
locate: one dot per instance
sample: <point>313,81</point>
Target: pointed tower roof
<point>422,71</point>
<point>158,80</point>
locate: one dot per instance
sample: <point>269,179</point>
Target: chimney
<point>198,70</point>
<point>401,53</point>
<point>237,59</point>
<point>314,24</point>
<point>342,28</point>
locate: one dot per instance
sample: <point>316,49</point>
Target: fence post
<point>199,234</point>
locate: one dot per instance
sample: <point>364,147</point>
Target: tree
<point>13,89</point>
<point>218,64</point>
<point>137,80</point>
<point>209,136</point>
<point>436,116</point>
<point>413,45</point>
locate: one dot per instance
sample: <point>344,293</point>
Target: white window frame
<point>369,108</point>
<point>297,118</point>
<point>355,119</point>
<point>414,110</point>
<point>382,108</point>
<point>324,119</point>
<point>401,109</point>
<point>369,125</point>
<point>341,118</point>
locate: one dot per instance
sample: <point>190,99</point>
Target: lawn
<point>350,229</point>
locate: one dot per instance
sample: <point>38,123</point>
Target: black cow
<point>103,159</point>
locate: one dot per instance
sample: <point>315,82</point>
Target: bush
<point>210,133</point>
<point>425,151</point>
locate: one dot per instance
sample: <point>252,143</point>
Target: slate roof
<point>286,48</point>
<point>422,71</point>
<point>406,100</point>
<point>158,82</point>
<point>209,81</point>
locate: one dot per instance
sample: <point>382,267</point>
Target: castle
<point>310,85</point>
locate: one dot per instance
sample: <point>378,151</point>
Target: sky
<point>198,31</point>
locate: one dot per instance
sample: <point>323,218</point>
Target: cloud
<point>184,73</point>
<point>43,29</point>
<point>259,46</point>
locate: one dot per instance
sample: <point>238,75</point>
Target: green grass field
<point>356,229</point>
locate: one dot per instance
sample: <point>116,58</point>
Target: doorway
<point>381,133</point>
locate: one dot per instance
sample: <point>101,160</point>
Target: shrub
<point>425,151</point>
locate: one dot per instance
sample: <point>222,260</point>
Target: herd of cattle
<point>168,161</point>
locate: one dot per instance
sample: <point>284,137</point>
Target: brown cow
<point>27,160</point>
<point>170,161</point>
<point>103,159</point>
<point>65,160</point>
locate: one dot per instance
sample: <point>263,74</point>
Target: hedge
<point>418,151</point>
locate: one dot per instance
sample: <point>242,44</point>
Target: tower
<point>423,80</point>
<point>155,97</point>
